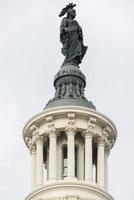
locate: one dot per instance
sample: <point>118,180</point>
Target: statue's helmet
<point>71,12</point>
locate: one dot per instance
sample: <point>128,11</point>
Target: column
<point>39,161</point>
<point>81,163</point>
<point>107,151</point>
<point>70,151</point>
<point>52,155</point>
<point>88,156</point>
<point>33,156</point>
<point>101,163</point>
<point>47,164</point>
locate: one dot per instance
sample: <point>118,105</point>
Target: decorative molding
<point>87,133</point>
<point>50,121</point>
<point>70,130</point>
<point>39,139</point>
<point>32,148</point>
<point>53,132</point>
<point>109,141</point>
<point>109,144</point>
<point>28,141</point>
<point>102,140</point>
<point>71,119</point>
<point>34,127</point>
<point>105,138</point>
<point>35,131</point>
<point>76,185</point>
<point>107,131</point>
<point>92,123</point>
<point>65,198</point>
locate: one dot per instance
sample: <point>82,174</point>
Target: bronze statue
<point>71,36</point>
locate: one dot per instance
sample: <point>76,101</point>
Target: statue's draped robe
<point>72,40</point>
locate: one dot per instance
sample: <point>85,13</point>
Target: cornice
<point>70,112</point>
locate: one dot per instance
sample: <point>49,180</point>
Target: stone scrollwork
<point>105,138</point>
<point>70,128</point>
<point>102,140</point>
<point>53,132</point>
<point>39,139</point>
<point>28,141</point>
<point>32,148</point>
<point>50,121</point>
<point>34,128</point>
<point>71,119</point>
<point>110,140</point>
<point>107,130</point>
<point>90,130</point>
<point>91,123</point>
<point>109,144</point>
<point>87,133</point>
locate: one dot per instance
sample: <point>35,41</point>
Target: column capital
<point>103,140</point>
<point>109,144</point>
<point>53,132</point>
<point>70,130</point>
<point>87,133</point>
<point>39,139</point>
<point>32,148</point>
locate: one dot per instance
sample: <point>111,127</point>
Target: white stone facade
<point>71,145</point>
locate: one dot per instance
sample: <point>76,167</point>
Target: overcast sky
<point>30,57</point>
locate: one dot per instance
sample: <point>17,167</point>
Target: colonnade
<point>102,158</point>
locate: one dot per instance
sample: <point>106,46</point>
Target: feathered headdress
<point>70,6</point>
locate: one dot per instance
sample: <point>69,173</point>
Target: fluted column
<point>70,131</point>
<point>88,156</point>
<point>101,162</point>
<point>52,155</point>
<point>33,157</point>
<point>39,161</point>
